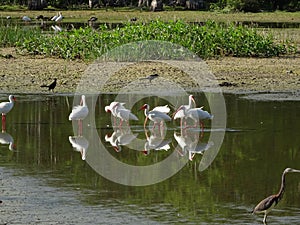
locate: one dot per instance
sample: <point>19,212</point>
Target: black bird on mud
<point>51,86</point>
<point>150,77</point>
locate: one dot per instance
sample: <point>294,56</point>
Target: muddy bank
<point>25,74</point>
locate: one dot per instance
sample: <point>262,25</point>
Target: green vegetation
<point>209,40</point>
<point>10,35</point>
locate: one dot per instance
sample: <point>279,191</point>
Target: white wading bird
<point>79,113</point>
<point>5,107</point>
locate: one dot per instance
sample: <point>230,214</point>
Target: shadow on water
<point>261,140</point>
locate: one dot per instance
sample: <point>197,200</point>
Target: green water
<point>261,140</point>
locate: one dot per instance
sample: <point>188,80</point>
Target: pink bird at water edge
<point>5,107</point>
<point>79,113</point>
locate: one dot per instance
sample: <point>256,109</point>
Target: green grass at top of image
<point>209,40</point>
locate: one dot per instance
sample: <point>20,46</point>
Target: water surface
<point>44,176</point>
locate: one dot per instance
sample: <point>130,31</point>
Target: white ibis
<point>266,205</point>
<point>198,115</point>
<point>163,109</point>
<point>54,17</point>
<point>118,110</point>
<point>26,19</point>
<point>5,107</point>
<point>181,112</point>
<point>79,113</point>
<point>59,17</point>
<point>80,144</point>
<point>156,116</point>
<point>7,139</point>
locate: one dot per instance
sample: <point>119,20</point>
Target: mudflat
<point>26,73</point>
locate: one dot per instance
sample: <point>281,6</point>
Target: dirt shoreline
<point>25,74</point>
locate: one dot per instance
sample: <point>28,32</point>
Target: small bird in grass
<point>266,205</point>
<point>93,19</point>
<point>150,77</point>
<point>51,86</point>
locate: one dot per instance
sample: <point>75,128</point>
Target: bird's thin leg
<point>80,127</point>
<point>121,123</point>
<point>265,219</point>
<point>3,122</point>
<point>145,122</point>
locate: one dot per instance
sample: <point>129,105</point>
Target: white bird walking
<point>155,116</point>
<point>79,113</point>
<point>5,107</point>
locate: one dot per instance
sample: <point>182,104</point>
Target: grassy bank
<point>123,15</point>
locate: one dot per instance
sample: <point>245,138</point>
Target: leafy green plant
<point>209,40</point>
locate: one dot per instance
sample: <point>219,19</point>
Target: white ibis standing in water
<point>5,107</point>
<point>198,115</point>
<point>266,205</point>
<point>118,110</point>
<point>59,18</point>
<point>79,113</point>
<point>181,112</point>
<point>155,116</point>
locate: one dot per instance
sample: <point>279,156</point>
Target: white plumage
<point>155,116</point>
<point>79,112</point>
<point>5,107</point>
<point>59,17</point>
<point>7,139</point>
<point>80,144</point>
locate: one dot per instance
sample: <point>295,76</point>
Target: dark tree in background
<point>236,5</point>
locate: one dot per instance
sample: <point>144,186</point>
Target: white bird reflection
<point>155,142</point>
<point>191,144</point>
<point>7,139</point>
<point>80,144</point>
<point>120,137</point>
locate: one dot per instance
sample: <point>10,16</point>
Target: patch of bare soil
<point>25,74</point>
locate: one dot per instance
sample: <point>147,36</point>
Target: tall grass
<point>11,35</point>
<point>209,40</point>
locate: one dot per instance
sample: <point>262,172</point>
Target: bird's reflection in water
<point>155,141</point>
<point>80,144</point>
<point>7,139</point>
<point>190,143</point>
<point>120,137</point>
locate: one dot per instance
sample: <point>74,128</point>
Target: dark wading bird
<point>51,86</point>
<point>150,77</point>
<point>266,205</point>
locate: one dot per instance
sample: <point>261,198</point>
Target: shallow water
<point>45,181</point>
